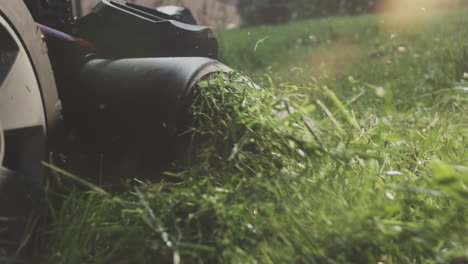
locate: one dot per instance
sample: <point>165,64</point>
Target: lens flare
<point>405,14</point>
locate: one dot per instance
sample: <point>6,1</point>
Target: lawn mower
<point>105,94</point>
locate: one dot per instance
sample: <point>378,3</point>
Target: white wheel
<point>28,108</point>
<point>22,117</point>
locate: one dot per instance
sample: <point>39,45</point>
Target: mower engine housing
<point>126,84</point>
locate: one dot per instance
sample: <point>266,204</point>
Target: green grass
<point>353,150</point>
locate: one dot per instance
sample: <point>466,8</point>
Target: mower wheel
<point>28,106</point>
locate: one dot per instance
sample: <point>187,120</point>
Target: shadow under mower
<point>106,94</point>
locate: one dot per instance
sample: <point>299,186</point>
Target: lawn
<point>353,149</point>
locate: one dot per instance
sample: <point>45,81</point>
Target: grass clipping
<point>263,182</point>
<point>240,127</point>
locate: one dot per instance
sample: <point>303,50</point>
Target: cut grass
<point>345,159</point>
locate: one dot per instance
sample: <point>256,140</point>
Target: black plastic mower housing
<point>125,30</point>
